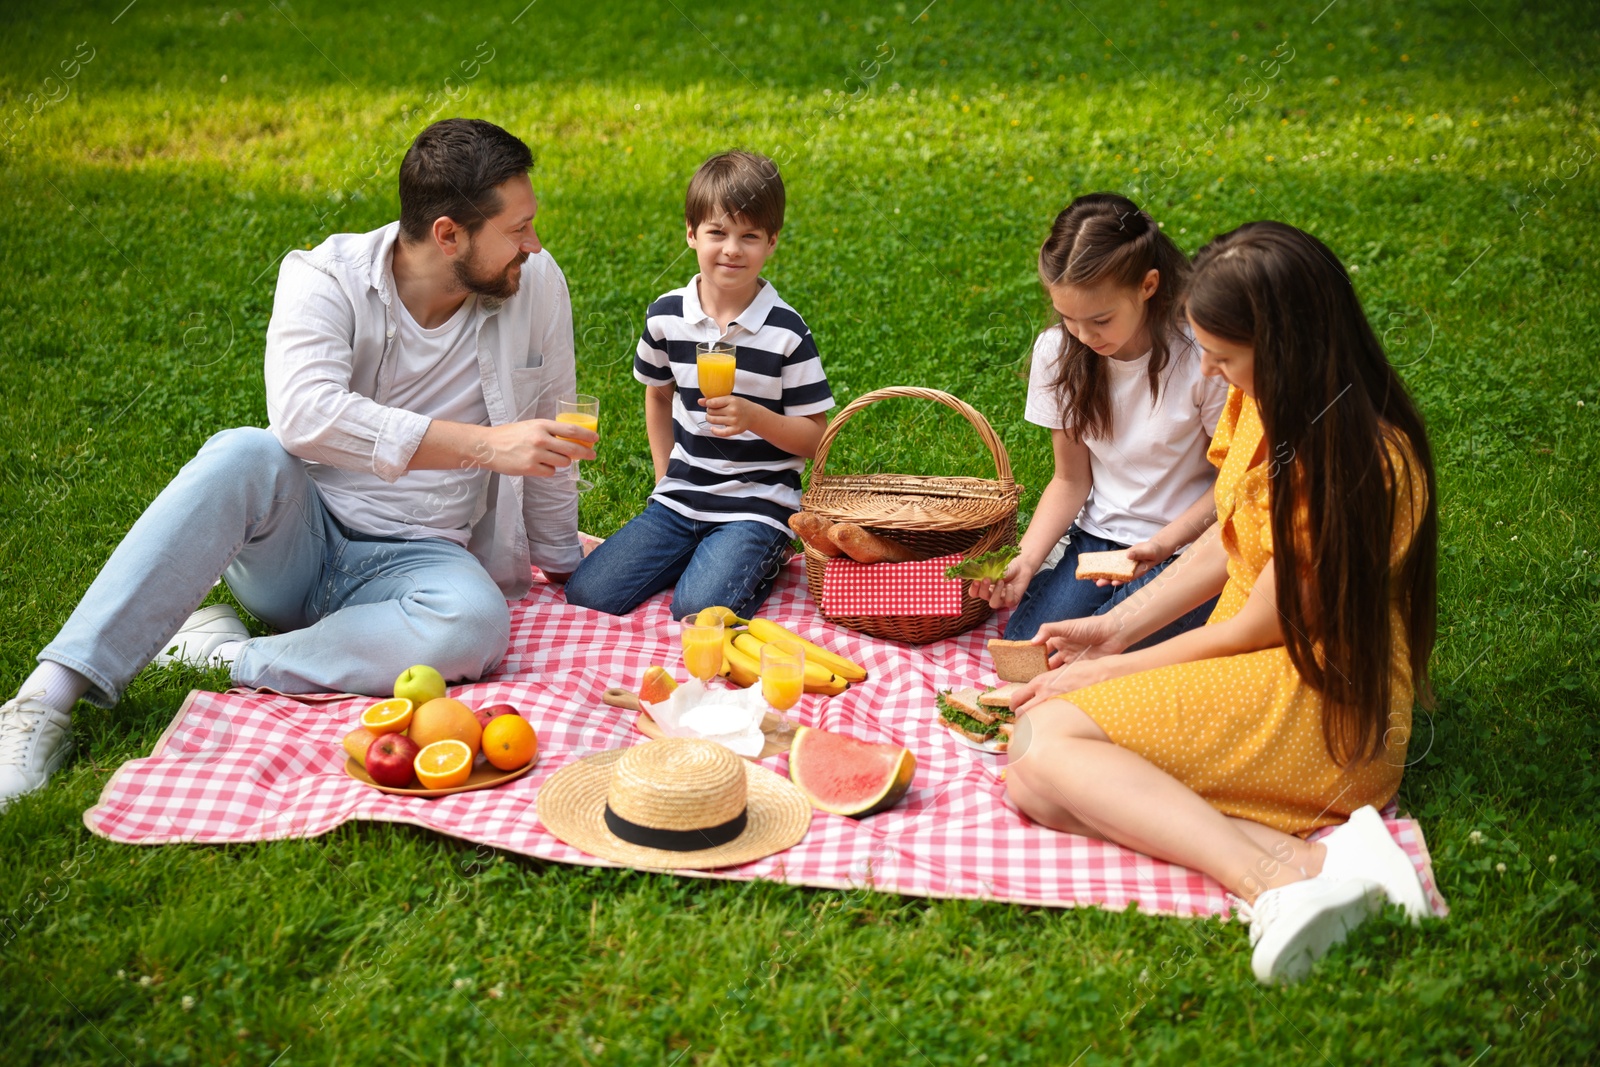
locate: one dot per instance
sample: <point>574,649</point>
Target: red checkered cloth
<point>851,588</point>
<point>244,766</point>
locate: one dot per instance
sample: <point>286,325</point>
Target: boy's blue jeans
<point>704,563</point>
<point>354,611</point>
<point>1058,594</point>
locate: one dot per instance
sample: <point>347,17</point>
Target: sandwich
<point>1113,566</point>
<point>1018,661</point>
<point>964,712</point>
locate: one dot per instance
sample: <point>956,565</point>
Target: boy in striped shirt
<point>715,530</point>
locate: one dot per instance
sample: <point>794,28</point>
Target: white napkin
<point>730,717</point>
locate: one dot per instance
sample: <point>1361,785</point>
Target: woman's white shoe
<point>1292,926</point>
<point>1362,850</point>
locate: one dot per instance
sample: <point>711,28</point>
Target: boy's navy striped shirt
<point>728,479</point>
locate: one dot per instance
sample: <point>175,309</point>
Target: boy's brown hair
<point>744,184</point>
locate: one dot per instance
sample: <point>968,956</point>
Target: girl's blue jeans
<point>1057,594</point>
<point>704,564</point>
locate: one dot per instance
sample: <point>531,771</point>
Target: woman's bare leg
<point>1287,848</point>
<point>1065,773</point>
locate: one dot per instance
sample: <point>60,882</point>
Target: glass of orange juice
<point>579,410</point>
<point>702,647</point>
<point>715,363</point>
<point>783,676</point>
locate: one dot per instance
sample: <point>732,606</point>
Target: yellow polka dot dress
<point>1245,732</point>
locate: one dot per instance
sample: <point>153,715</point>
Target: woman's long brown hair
<point>1100,238</point>
<point>1330,405</point>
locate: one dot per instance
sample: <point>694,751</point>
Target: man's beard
<point>501,286</point>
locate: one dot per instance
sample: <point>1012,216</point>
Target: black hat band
<point>676,840</point>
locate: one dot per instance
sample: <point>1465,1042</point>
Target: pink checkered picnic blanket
<point>850,588</point>
<point>243,766</point>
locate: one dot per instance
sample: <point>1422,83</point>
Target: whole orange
<point>509,742</point>
<point>445,719</point>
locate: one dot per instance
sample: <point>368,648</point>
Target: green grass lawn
<point>1447,152</point>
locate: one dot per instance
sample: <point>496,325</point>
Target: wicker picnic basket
<point>936,515</point>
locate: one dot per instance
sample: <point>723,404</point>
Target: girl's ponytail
<point>1100,238</point>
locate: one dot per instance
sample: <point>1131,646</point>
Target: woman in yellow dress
<point>1290,710</point>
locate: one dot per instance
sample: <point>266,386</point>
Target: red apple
<point>389,760</point>
<point>489,711</point>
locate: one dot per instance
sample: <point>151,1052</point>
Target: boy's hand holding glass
<point>730,415</point>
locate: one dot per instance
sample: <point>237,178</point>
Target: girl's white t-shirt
<point>1153,466</point>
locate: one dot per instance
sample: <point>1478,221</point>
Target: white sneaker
<point>1292,926</point>
<point>1362,850</point>
<point>197,639</point>
<point>35,739</point>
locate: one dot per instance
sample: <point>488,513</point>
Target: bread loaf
<point>865,547</point>
<point>813,530</point>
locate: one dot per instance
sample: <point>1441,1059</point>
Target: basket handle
<point>1002,461</point>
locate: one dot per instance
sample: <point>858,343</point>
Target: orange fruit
<point>445,719</point>
<point>509,742</point>
<point>443,764</point>
<point>657,685</point>
<point>356,743</point>
<point>388,716</point>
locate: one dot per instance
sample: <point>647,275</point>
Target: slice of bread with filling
<point>1001,697</point>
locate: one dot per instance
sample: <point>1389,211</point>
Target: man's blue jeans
<point>353,611</point>
<point>704,563</point>
<point>1058,594</point>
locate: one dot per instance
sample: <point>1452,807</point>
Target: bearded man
<point>409,480</point>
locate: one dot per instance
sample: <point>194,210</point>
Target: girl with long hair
<point>1117,381</point>
<point>1290,710</point>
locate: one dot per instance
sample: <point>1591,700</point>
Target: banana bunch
<point>826,672</point>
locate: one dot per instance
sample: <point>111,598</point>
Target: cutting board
<point>772,727</point>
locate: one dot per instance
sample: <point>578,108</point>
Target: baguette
<point>1018,661</point>
<point>864,547</point>
<point>813,530</point>
<point>1114,566</point>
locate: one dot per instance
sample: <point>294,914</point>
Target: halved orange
<point>444,764</point>
<point>388,716</point>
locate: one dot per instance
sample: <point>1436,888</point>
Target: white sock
<point>226,651</point>
<point>54,685</point>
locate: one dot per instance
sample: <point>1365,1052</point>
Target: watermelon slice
<point>845,776</point>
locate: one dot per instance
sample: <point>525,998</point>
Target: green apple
<point>419,684</point>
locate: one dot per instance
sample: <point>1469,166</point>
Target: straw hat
<point>673,803</point>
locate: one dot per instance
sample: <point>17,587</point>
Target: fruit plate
<point>484,776</point>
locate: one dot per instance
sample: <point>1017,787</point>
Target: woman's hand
<point>1065,679</point>
<point>1007,592</point>
<point>1075,639</point>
